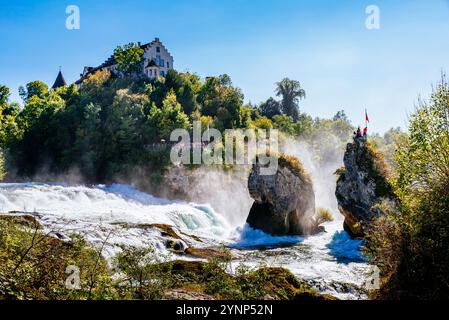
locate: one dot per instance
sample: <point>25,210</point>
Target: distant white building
<point>156,59</point>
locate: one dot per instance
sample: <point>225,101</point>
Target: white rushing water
<point>330,261</point>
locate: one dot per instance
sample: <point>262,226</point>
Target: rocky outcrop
<point>362,184</point>
<point>284,202</point>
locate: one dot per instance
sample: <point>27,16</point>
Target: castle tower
<point>60,81</point>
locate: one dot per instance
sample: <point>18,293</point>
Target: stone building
<point>156,61</point>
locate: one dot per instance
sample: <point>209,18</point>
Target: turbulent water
<point>118,214</point>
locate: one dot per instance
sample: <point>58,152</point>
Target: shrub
<point>33,265</point>
<point>410,244</point>
<point>323,215</point>
<point>142,274</point>
<point>2,169</point>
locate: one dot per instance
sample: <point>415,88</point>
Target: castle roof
<point>111,60</point>
<point>60,81</point>
<point>151,63</point>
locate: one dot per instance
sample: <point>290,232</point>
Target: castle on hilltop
<point>156,59</point>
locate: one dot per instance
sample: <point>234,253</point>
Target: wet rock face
<point>361,185</point>
<point>284,202</point>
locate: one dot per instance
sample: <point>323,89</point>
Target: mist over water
<point>321,170</point>
<point>331,262</point>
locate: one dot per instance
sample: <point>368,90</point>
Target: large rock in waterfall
<point>362,185</point>
<point>285,201</point>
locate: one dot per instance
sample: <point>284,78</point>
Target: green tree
<point>410,244</point>
<point>4,94</point>
<point>185,85</point>
<point>270,108</point>
<point>8,115</point>
<point>168,118</point>
<point>284,123</point>
<point>129,58</point>
<point>34,88</point>
<point>219,99</point>
<point>248,114</point>
<point>262,123</point>
<point>341,115</point>
<point>2,169</point>
<point>291,92</point>
<point>121,136</point>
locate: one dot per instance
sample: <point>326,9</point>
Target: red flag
<point>366,116</point>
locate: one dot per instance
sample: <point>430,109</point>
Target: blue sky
<point>323,44</point>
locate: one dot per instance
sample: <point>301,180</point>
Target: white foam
<point>330,261</point>
<point>250,238</point>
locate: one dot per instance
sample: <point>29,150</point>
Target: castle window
<point>162,63</point>
<point>168,64</point>
<point>158,49</point>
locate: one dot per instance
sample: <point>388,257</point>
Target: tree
<point>185,85</point>
<point>248,114</point>
<point>128,58</point>
<point>121,134</point>
<point>291,92</point>
<point>341,115</point>
<point>8,115</point>
<point>410,243</point>
<point>4,94</point>
<point>34,88</point>
<point>2,170</point>
<point>219,99</point>
<point>169,117</point>
<point>262,123</point>
<point>284,123</point>
<point>270,108</point>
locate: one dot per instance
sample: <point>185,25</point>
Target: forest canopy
<point>111,125</point>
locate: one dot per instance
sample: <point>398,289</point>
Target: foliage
<point>219,99</point>
<point>291,92</point>
<point>2,169</point>
<point>142,275</point>
<point>262,123</point>
<point>128,58</point>
<point>33,266</point>
<point>4,94</point>
<point>295,166</point>
<point>118,127</point>
<point>284,123</point>
<point>373,163</point>
<point>35,88</point>
<point>340,115</point>
<point>270,108</point>
<point>409,244</point>
<point>323,215</point>
<point>169,117</point>
<point>388,143</point>
<point>8,114</point>
<point>185,86</point>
